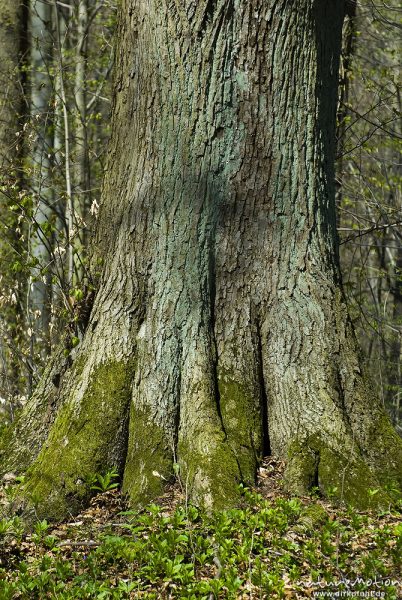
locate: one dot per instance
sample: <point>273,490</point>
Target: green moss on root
<point>7,433</point>
<point>344,478</point>
<point>21,442</point>
<point>211,477</point>
<point>349,479</point>
<point>242,420</point>
<point>15,454</point>
<point>149,463</point>
<point>312,517</point>
<point>301,468</point>
<point>386,452</point>
<point>85,439</point>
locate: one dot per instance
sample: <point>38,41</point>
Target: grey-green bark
<point>219,330</point>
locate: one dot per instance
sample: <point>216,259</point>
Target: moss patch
<point>350,480</point>
<point>301,469</point>
<point>211,478</point>
<point>149,463</point>
<point>386,452</point>
<point>7,434</point>
<point>83,440</point>
<point>312,517</point>
<point>21,443</point>
<point>313,462</point>
<point>242,419</point>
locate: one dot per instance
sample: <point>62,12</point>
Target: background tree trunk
<point>219,330</point>
<point>13,24</point>
<point>42,119</point>
<point>81,164</point>
<point>369,203</point>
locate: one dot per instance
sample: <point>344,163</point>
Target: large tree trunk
<point>219,330</point>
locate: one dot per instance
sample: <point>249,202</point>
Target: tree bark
<point>219,331</point>
<point>13,25</point>
<point>82,163</point>
<point>41,61</point>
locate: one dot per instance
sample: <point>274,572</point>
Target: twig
<point>366,231</point>
<point>83,544</point>
<point>218,564</point>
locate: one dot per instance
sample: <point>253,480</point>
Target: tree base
<point>210,481</point>
<point>312,464</point>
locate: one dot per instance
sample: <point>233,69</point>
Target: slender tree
<point>219,331</point>
<point>42,43</point>
<point>13,23</point>
<point>370,177</point>
<point>82,183</point>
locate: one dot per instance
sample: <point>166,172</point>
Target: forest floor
<point>272,546</point>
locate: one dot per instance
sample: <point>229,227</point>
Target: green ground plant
<point>267,548</point>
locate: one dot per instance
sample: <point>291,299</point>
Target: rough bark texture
<point>219,331</point>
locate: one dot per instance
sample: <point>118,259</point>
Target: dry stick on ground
<point>84,543</point>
